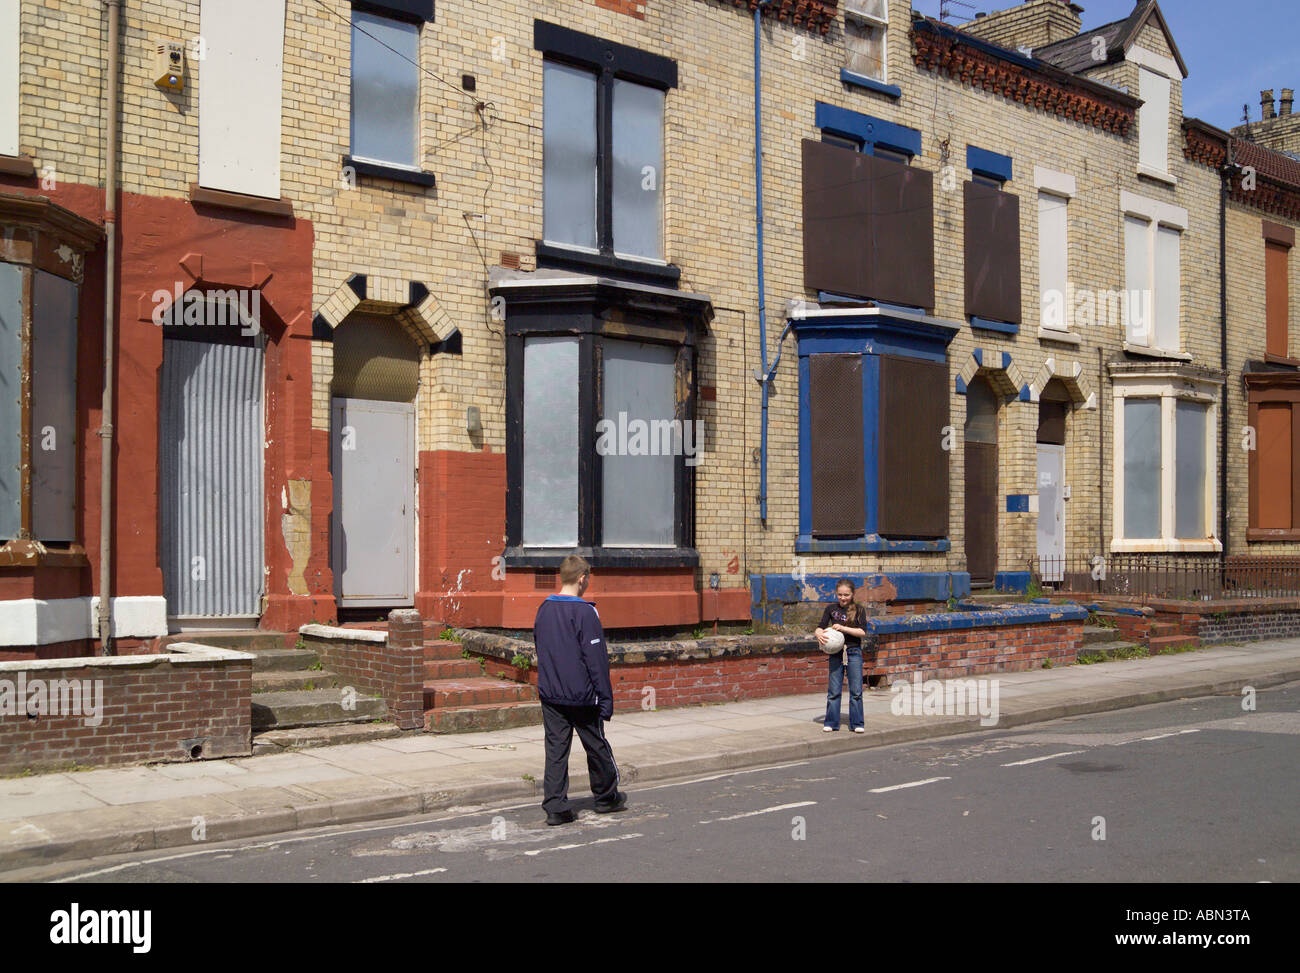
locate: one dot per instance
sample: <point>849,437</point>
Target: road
<point>1193,791</point>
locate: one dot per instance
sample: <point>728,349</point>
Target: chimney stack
<point>1267,110</point>
<point>1288,96</point>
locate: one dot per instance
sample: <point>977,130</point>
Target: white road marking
<point>730,773</point>
<point>1161,736</point>
<point>583,844</point>
<point>399,875</point>
<point>766,810</point>
<point>1034,760</point>
<point>899,787</point>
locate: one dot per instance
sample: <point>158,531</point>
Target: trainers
<point>559,817</point>
<point>859,729</point>
<point>618,804</point>
<point>828,729</point>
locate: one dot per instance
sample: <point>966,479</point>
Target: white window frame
<point>1058,186</point>
<point>1169,390</point>
<point>861,16</point>
<point>10,36</point>
<point>1156,214</point>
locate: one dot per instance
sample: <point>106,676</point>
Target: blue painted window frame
<point>871,335</point>
<point>867,130</point>
<point>998,168</point>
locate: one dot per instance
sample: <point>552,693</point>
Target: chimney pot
<point>1288,97</point>
<point>1266,104</point>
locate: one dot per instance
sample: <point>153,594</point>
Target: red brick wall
<point>633,8</point>
<point>157,710</point>
<point>976,651</point>
<point>393,669</point>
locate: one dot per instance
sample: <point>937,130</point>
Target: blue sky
<point>1233,50</point>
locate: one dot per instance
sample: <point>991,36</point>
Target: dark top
<point>572,662</point>
<point>834,613</point>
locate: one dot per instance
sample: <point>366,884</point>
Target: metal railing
<point>1178,576</point>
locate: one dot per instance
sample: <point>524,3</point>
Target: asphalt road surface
<point>1193,791</point>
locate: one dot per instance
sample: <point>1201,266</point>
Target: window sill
<point>807,544</point>
<point>1282,360</point>
<point>1155,352</point>
<point>250,204</point>
<point>30,554</point>
<point>1064,337</point>
<point>1264,534</point>
<point>870,84</point>
<point>1156,175</point>
<point>563,258</point>
<point>1002,327</point>
<point>20,166</point>
<point>1210,545</point>
<point>602,557</point>
<point>378,170</point>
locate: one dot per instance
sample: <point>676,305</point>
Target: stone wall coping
<point>335,634</point>
<point>987,618</point>
<point>178,653</point>
<point>635,653</point>
<point>1231,606</point>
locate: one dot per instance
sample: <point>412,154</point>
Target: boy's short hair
<point>572,568</point>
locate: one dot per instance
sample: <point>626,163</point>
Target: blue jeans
<point>833,693</point>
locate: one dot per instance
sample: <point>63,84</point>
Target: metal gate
<point>374,502</point>
<point>210,455</point>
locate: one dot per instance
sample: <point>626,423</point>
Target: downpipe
<point>105,627</point>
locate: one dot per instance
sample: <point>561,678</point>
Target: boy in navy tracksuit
<point>573,685</point>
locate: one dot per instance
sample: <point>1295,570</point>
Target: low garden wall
<point>191,703</point>
<point>386,664</point>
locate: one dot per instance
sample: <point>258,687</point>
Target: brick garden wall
<point>152,708</point>
<point>977,651</point>
<point>390,666</point>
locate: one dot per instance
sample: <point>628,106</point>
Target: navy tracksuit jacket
<point>572,663</point>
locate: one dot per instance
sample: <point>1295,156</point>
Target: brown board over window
<point>868,226</point>
<point>838,479</point>
<point>913,487</point>
<point>992,253</point>
<point>1277,298</point>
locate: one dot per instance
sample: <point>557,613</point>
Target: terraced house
<point>311,309</point>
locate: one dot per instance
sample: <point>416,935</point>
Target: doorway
<point>1053,407</point>
<point>981,507</point>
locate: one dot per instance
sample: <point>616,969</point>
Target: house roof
<point>1075,53</point>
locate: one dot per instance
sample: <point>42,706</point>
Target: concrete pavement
<point>70,816</point>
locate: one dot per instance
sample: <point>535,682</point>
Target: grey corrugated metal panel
<point>54,408</point>
<point>212,477</point>
<point>11,364</point>
<point>838,479</point>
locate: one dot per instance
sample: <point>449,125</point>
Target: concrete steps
<point>280,680</point>
<point>1158,644</point>
<point>1098,633</point>
<point>241,639</point>
<point>280,660</point>
<point>489,716</point>
<point>301,738</point>
<point>314,707</point>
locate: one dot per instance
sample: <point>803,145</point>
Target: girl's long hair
<point>853,605</point>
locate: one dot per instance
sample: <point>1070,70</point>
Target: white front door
<point>374,502</point>
<point>1051,512</point>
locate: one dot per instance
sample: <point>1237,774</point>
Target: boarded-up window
<point>838,479</point>
<point>1277,297</point>
<point>1190,427</point>
<point>868,226</point>
<point>1153,121</point>
<point>1053,233</point>
<point>992,253</point>
<point>1273,444</point>
<point>913,487</point>
<point>1142,435</point>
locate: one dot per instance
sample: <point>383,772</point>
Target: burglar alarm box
<point>169,65</point>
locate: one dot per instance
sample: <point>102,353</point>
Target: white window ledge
<point>1156,352</point>
<point>1211,545</point>
<point>1065,337</point>
<point>1157,175</point>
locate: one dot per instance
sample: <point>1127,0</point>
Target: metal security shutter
<point>992,253</point>
<point>838,480</point>
<point>836,219</point>
<point>902,233</point>
<point>981,510</point>
<point>211,457</point>
<point>913,463</point>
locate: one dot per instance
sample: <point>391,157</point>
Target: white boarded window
<point>639,474</point>
<point>638,147</point>
<point>568,155</point>
<point>550,475</point>
<point>1053,232</point>
<point>1153,121</point>
<point>9,77</point>
<point>1167,290</point>
<point>1137,268</point>
<point>385,89</point>
<point>1142,455</point>
<point>240,82</point>
<point>865,23</point>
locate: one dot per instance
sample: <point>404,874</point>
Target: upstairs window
<point>603,146</point>
<point>1152,263</point>
<point>1153,124</point>
<point>992,243</point>
<point>1278,241</point>
<point>385,90</point>
<point>865,25</point>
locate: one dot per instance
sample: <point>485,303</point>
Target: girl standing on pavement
<point>845,617</point>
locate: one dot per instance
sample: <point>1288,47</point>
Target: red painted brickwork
<point>393,669</point>
<point>633,8</point>
<point>976,651</point>
<point>158,710</point>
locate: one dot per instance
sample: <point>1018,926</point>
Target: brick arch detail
<point>997,368</point>
<point>1071,376</point>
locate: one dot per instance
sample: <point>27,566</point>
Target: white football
<point>834,641</point>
